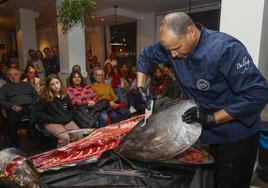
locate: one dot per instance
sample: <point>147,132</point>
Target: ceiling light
<point>115,39</point>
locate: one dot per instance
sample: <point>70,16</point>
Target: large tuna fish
<point>163,137</point>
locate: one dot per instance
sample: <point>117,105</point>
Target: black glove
<point>144,93</point>
<point>196,114</point>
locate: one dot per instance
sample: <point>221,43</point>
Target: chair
<point>25,121</point>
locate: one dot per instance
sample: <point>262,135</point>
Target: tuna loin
<point>88,148</point>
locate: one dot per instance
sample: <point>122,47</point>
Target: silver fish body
<point>163,137</point>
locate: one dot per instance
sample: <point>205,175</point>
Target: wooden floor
<point>28,146</point>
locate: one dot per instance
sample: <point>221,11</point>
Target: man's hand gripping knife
<point>143,90</point>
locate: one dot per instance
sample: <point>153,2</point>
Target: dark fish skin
<point>17,171</point>
<point>163,137</point>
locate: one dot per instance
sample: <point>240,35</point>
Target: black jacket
<point>59,111</point>
<point>17,94</point>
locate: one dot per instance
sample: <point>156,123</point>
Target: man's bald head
<point>178,22</point>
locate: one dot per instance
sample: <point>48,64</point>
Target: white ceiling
<point>47,10</point>
<point>143,6</point>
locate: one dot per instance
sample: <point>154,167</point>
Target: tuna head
<point>164,136</point>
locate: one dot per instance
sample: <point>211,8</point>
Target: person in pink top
<point>88,110</point>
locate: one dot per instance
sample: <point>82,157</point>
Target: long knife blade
<point>148,113</point>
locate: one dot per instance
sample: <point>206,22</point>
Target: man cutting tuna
<point>217,72</point>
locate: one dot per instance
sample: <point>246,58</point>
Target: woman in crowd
<point>76,68</point>
<point>111,60</point>
<point>158,84</point>
<point>31,77</point>
<point>124,71</point>
<point>54,111</point>
<point>88,111</point>
<point>118,84</point>
<point>107,71</point>
<point>171,92</point>
<point>39,66</point>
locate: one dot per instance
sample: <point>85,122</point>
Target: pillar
<point>71,49</point>
<point>26,34</point>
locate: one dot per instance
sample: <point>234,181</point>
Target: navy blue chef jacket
<point>218,74</point>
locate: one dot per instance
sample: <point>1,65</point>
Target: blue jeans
<point>102,120</point>
<point>119,94</point>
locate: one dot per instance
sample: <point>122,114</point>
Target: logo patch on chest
<point>202,84</point>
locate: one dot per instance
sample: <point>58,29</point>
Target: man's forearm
<point>222,116</point>
<point>141,78</point>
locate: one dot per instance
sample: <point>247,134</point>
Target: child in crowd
<point>54,111</point>
<point>32,78</point>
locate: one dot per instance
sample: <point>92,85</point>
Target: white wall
<point>243,20</point>
<point>46,37</point>
<point>145,31</point>
<point>247,20</point>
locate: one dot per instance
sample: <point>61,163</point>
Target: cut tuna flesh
<point>92,146</point>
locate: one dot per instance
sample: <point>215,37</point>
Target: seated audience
<point>76,68</point>
<point>118,83</point>
<point>88,111</point>
<point>16,97</point>
<point>32,57</point>
<point>90,78</point>
<point>54,110</point>
<point>31,78</point>
<point>166,71</point>
<point>39,65</point>
<point>111,60</point>
<point>107,71</point>
<point>135,102</point>
<point>3,72</point>
<point>171,92</point>
<point>51,63</point>
<point>158,84</point>
<point>124,71</point>
<point>105,92</point>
